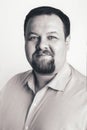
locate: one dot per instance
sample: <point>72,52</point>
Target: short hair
<point>48,11</point>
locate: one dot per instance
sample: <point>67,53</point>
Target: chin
<point>44,67</point>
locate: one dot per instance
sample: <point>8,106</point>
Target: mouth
<point>43,53</point>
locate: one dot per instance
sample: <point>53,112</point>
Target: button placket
<point>35,104</point>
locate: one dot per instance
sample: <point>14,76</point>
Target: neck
<point>41,80</point>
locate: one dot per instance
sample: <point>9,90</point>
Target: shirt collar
<point>59,82</point>
<point>31,81</point>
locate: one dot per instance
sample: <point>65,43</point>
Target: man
<point>53,95</point>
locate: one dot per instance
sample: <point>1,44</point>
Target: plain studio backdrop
<point>12,15</point>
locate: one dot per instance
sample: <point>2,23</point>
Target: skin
<point>46,32</point>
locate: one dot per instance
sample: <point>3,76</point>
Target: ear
<point>68,41</point>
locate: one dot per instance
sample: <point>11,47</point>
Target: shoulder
<point>21,77</point>
<point>77,74</point>
<point>14,85</point>
<point>16,81</point>
<point>78,80</point>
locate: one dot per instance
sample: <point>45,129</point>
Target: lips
<point>43,53</point>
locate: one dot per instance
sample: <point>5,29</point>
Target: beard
<point>43,62</point>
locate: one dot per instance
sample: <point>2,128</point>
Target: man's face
<point>45,43</point>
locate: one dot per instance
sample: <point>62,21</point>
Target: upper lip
<point>44,52</point>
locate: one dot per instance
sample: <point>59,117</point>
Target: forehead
<point>45,22</point>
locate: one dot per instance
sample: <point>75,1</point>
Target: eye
<point>52,38</point>
<point>33,38</point>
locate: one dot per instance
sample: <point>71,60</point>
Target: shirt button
<point>26,128</point>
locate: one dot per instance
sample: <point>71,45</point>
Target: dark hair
<point>49,10</point>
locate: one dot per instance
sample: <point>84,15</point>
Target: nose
<point>42,44</point>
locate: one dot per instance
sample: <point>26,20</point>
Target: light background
<point>12,15</point>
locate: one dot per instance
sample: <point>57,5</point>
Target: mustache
<point>42,52</point>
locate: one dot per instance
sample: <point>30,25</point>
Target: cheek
<point>29,49</point>
<point>60,52</point>
<point>59,48</point>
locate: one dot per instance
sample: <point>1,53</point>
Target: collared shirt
<point>60,105</point>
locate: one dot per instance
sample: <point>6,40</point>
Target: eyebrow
<point>54,32</point>
<point>32,33</point>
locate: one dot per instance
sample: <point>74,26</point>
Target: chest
<point>54,112</point>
